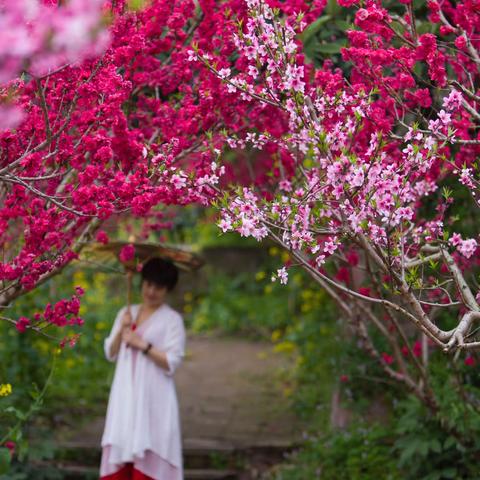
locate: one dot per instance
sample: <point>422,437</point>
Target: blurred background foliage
<point>388,434</point>
<point>231,302</point>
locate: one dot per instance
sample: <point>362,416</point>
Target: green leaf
<point>449,473</point>
<point>20,415</point>
<point>135,5</point>
<point>331,48</point>
<point>313,28</point>
<point>344,25</point>
<point>435,446</point>
<point>409,453</point>
<point>5,459</point>
<point>333,8</point>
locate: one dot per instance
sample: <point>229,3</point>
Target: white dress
<point>143,422</point>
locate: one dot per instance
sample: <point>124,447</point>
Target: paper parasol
<point>142,252</point>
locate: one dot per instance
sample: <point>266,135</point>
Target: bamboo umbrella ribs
<point>132,254</point>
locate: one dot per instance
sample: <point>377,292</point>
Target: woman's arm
<point>173,349</point>
<point>135,341</point>
<point>115,345</point>
<point>116,341</point>
<point>158,357</point>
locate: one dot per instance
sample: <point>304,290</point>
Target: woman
<point>142,437</point>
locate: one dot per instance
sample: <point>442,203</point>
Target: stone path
<point>230,391</point>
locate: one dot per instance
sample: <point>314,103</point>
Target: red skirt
<point>127,473</point>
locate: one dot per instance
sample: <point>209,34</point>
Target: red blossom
<point>127,253</point>
<point>22,324</point>
<point>469,361</point>
<point>388,359</point>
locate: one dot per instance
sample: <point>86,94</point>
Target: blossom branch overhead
<point>362,181</point>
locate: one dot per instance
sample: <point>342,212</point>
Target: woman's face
<point>152,294</point>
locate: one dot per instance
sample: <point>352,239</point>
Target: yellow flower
<point>307,294</point>
<point>5,389</point>
<point>276,335</point>
<point>43,346</point>
<point>80,279</point>
<point>273,251</point>
<point>285,346</point>
<point>188,297</point>
<point>70,362</point>
<point>260,276</point>
<point>305,307</point>
<point>101,325</point>
<point>187,308</point>
<point>287,392</point>
<point>297,279</point>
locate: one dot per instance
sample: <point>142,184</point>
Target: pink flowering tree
<point>362,189</point>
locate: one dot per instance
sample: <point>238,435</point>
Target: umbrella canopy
<point>131,253</point>
<point>142,252</point>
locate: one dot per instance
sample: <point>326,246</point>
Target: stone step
<point>203,460</point>
<point>196,455</point>
<point>210,474</point>
<point>80,472</point>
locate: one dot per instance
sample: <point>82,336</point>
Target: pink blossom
<point>467,247</point>
<point>444,117</point>
<point>453,100</point>
<point>224,73</point>
<point>417,349</point>
<point>455,239</point>
<point>179,181</point>
<point>79,291</point>
<point>330,247</point>
<point>282,275</point>
<point>225,224</point>
<point>102,237</point>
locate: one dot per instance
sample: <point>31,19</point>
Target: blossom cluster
<point>38,37</point>
<point>347,183</point>
<point>360,159</point>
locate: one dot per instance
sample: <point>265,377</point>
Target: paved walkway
<point>231,394</point>
<point>230,391</point>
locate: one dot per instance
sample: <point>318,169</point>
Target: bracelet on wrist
<point>147,348</point>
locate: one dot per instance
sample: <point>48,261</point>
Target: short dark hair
<point>160,272</point>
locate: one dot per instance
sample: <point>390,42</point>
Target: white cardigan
<point>142,410</point>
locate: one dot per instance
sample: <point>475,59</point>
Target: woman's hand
<point>133,340</point>
<point>127,320</point>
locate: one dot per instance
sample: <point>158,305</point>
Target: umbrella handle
<point>129,289</point>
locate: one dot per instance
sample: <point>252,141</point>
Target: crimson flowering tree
<point>362,192</point>
<point>91,137</point>
<point>94,136</point>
